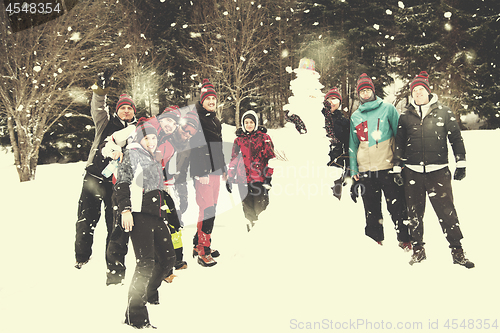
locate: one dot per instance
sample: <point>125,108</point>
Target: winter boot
<point>206,260</point>
<point>459,258</point>
<point>79,264</point>
<point>406,246</point>
<point>213,253</point>
<point>170,278</point>
<point>180,265</point>
<point>418,254</point>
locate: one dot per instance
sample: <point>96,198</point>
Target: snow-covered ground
<point>307,265</point>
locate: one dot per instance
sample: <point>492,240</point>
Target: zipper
<point>378,130</point>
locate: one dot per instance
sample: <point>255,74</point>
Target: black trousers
<point>437,185</point>
<point>116,250</point>
<point>155,257</point>
<point>254,198</point>
<point>372,186</point>
<point>94,192</point>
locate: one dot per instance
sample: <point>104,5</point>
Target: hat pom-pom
<point>424,74</point>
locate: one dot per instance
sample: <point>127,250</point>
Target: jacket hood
<point>368,106</point>
<point>425,108</point>
<point>250,113</point>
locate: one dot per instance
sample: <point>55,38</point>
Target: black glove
<point>355,190</point>
<point>104,78</point>
<point>229,187</point>
<point>459,174</point>
<point>398,179</point>
<point>327,105</point>
<point>267,183</point>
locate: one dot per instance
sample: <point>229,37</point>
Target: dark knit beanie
<point>421,79</point>
<point>334,92</point>
<point>125,100</point>
<point>207,89</point>
<point>171,112</point>
<point>364,82</point>
<point>144,128</point>
<point>191,118</point>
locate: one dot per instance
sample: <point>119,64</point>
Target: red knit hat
<point>421,79</point>
<point>191,118</point>
<point>207,89</point>
<point>170,112</point>
<point>143,128</point>
<point>125,100</point>
<point>334,92</point>
<point>364,82</point>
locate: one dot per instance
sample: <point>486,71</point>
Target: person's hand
<point>229,187</point>
<point>224,176</point>
<point>459,174</point>
<point>398,179</point>
<point>355,189</point>
<point>117,155</point>
<point>183,206</point>
<point>127,220</point>
<point>204,180</point>
<point>267,183</point>
<point>327,104</point>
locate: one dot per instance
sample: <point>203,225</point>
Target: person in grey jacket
<point>424,129</point>
<point>97,188</point>
<point>141,200</point>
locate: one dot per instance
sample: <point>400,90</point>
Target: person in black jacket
<point>337,129</point>
<point>206,167</point>
<point>98,188</point>
<point>421,147</point>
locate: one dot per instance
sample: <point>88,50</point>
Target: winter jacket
<point>250,156</point>
<point>373,129</point>
<point>206,155</point>
<point>336,126</point>
<point>139,186</point>
<point>105,125</point>
<point>423,142</point>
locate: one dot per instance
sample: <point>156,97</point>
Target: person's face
<point>334,103</point>
<point>149,142</point>
<point>420,95</point>
<point>125,112</point>
<point>186,132</point>
<point>366,93</point>
<point>168,125</point>
<point>210,103</point>
<point>249,125</point>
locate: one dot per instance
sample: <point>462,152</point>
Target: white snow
<point>307,262</point>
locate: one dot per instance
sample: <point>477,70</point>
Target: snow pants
<point>155,257</point>
<point>95,191</point>
<point>437,185</point>
<point>373,184</point>
<point>206,198</point>
<point>254,198</point>
<point>116,250</point>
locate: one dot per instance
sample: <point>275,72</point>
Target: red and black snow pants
<point>206,198</point>
<point>437,185</point>
<point>95,191</point>
<point>373,184</point>
<point>155,257</point>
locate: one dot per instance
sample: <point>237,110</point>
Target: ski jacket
<point>250,157</point>
<point>105,125</point>
<point>206,155</point>
<point>423,141</point>
<point>336,126</point>
<point>139,186</point>
<point>373,129</point>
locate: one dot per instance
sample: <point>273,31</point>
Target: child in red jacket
<point>252,150</point>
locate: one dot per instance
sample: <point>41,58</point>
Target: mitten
<point>229,187</point>
<point>459,174</point>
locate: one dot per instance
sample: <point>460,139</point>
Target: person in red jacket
<point>249,166</point>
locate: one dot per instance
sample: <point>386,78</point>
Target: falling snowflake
<point>37,69</point>
<point>127,46</point>
<point>401,4</point>
<point>447,15</point>
<point>388,12</point>
<point>376,26</point>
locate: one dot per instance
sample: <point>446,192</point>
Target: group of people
<point>405,157</point>
<point>138,170</point>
